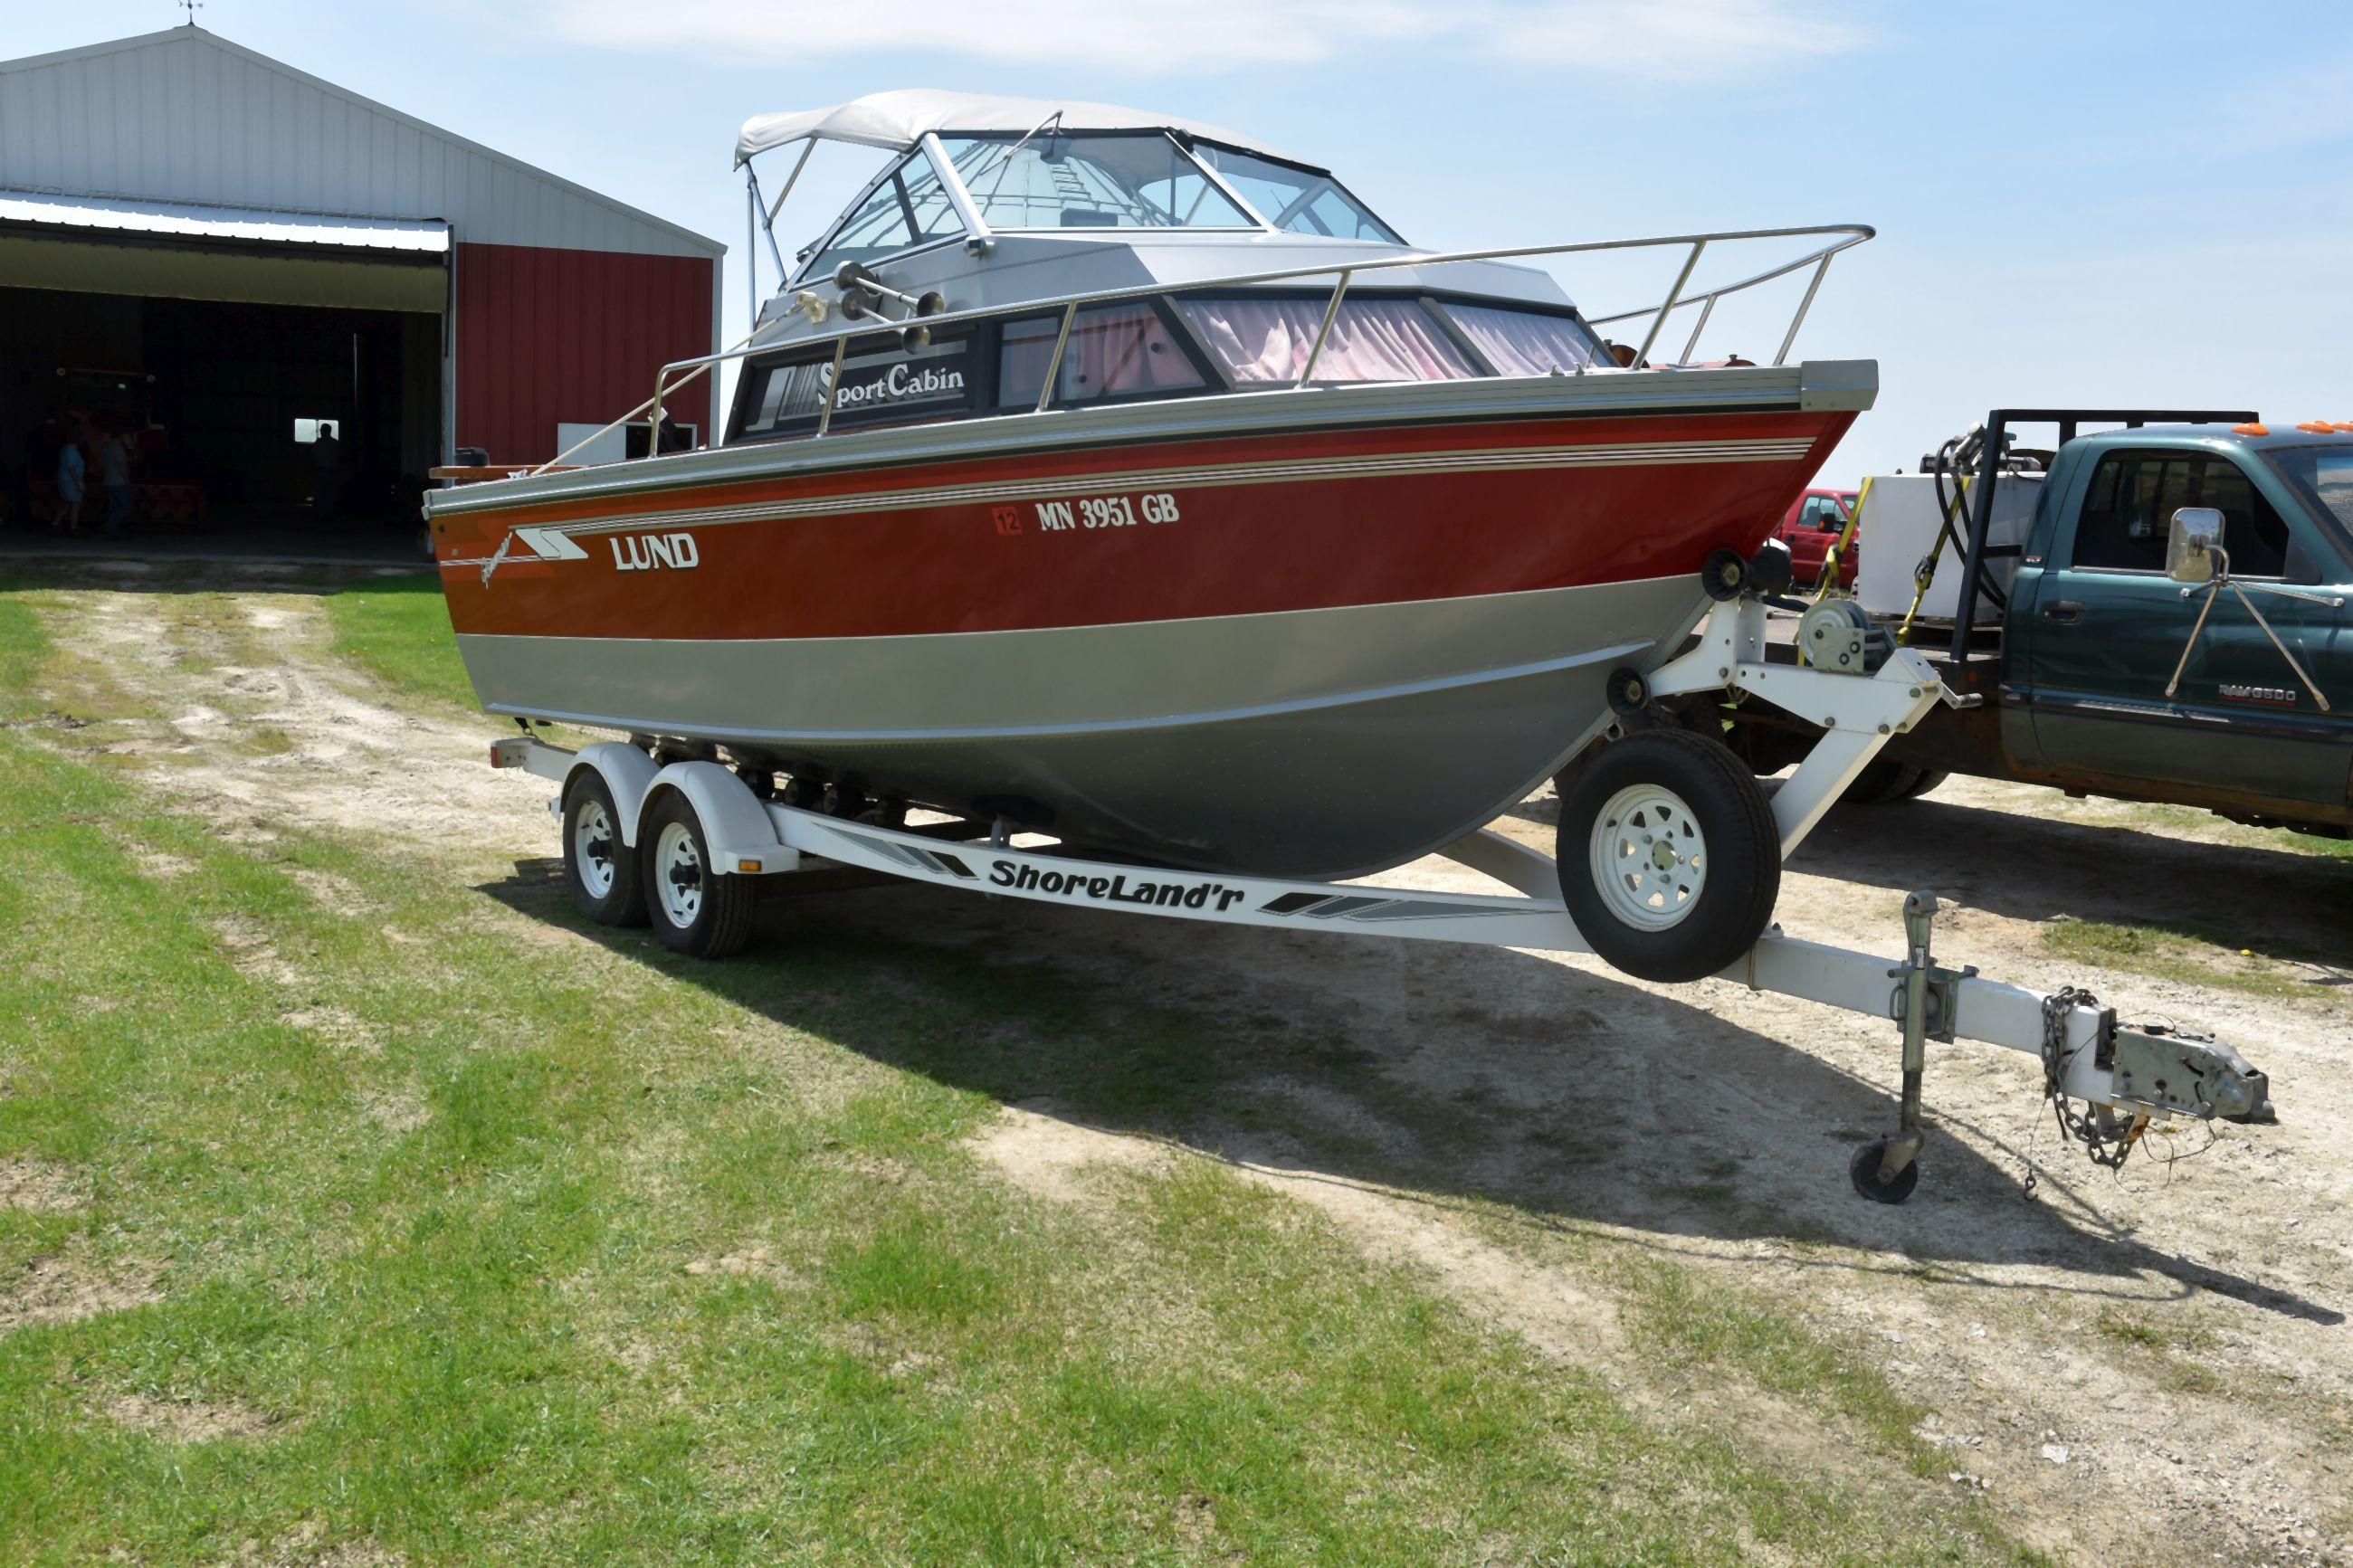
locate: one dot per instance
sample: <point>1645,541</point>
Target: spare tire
<point>1668,855</point>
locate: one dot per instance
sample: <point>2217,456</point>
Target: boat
<point>1109,476</point>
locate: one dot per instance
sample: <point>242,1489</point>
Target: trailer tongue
<point>701,835</point>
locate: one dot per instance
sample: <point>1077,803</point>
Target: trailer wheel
<point>1669,858</point>
<point>692,907</point>
<point>600,871</point>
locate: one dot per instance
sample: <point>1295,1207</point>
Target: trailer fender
<point>628,774</point>
<point>739,837</point>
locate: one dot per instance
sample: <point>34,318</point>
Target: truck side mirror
<point>2193,545</point>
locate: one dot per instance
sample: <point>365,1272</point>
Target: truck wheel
<point>1669,858</point>
<point>1882,779</point>
<point>599,870</point>
<point>1927,781</point>
<point>693,908</point>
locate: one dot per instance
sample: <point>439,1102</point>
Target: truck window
<point>1822,512</point>
<point>2134,495</point>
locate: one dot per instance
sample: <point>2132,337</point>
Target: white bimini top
<point>898,120</point>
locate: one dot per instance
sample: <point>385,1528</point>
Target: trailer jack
<point>1926,1003</point>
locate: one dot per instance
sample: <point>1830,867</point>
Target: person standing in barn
<point>326,475</point>
<point>114,470</point>
<point>70,473</point>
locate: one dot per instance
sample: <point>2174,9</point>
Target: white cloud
<point>1671,41</point>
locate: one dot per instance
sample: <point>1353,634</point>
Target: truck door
<point>2108,627</point>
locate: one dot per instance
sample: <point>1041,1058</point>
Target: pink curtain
<point>1112,349</point>
<point>1521,342</point>
<point>1371,340</point>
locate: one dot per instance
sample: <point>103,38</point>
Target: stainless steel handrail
<point>1848,237</point>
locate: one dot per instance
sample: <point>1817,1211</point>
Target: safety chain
<point>2102,1144</point>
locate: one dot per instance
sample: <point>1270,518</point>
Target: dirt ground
<point>2151,1367</point>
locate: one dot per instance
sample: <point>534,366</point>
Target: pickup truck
<point>2179,628</point>
<point>1811,526</point>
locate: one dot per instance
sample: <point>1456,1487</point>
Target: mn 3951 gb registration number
<point>1106,511</point>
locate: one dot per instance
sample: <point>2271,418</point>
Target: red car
<point>1811,528</point>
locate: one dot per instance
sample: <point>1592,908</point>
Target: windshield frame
<point>963,201</point>
<point>1389,234</point>
<point>804,262</point>
<point>1256,223</point>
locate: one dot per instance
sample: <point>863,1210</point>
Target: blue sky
<point>2140,202</point>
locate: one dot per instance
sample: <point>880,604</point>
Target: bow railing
<point>1680,295</point>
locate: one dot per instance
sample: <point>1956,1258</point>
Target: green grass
<point>479,1242</point>
<point>2199,955</point>
<point>397,628</point>
<point>2194,823</point>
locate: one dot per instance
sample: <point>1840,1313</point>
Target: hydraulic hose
<point>1949,509</point>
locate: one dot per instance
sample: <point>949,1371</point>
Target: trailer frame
<point>2126,1075</point>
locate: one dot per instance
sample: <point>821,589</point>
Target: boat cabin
<point>1144,244</point>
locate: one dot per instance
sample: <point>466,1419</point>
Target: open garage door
<point>274,380</point>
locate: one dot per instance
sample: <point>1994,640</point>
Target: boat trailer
<point>714,831</point>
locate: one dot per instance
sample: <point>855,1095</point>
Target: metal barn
<point>215,256</point>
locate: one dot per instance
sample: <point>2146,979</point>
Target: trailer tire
<point>692,909</point>
<point>1699,811</point>
<point>599,870</point>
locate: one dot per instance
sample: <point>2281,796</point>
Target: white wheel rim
<point>593,848</point>
<point>1648,858</point>
<point>678,868</point>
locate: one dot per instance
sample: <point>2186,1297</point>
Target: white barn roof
<point>200,220</point>
<point>185,116</point>
<point>897,120</point>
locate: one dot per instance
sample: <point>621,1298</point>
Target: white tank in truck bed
<point>1899,525</point>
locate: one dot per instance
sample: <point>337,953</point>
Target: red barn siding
<point>548,336</point>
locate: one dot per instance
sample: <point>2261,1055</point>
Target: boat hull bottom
<point>1444,714</point>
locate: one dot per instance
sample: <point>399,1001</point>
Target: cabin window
<point>1115,351</point>
<point>1524,343</point>
<point>1108,181</point>
<point>1301,201</point>
<point>908,207</point>
<point>1266,339</point>
<point>880,382</point>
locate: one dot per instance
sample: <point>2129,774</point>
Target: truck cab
<point>1809,528</point>
<point>2101,648</point>
<point>2095,629</point>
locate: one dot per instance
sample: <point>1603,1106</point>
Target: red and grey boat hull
<point>1302,635</point>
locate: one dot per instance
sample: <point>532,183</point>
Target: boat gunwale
<point>1807,387</point>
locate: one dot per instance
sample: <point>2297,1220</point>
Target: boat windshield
<point>1090,181</point>
<point>1299,200</point>
<point>2322,478</point>
<point>907,207</point>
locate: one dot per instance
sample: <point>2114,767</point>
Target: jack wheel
<point>1863,1170</point>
